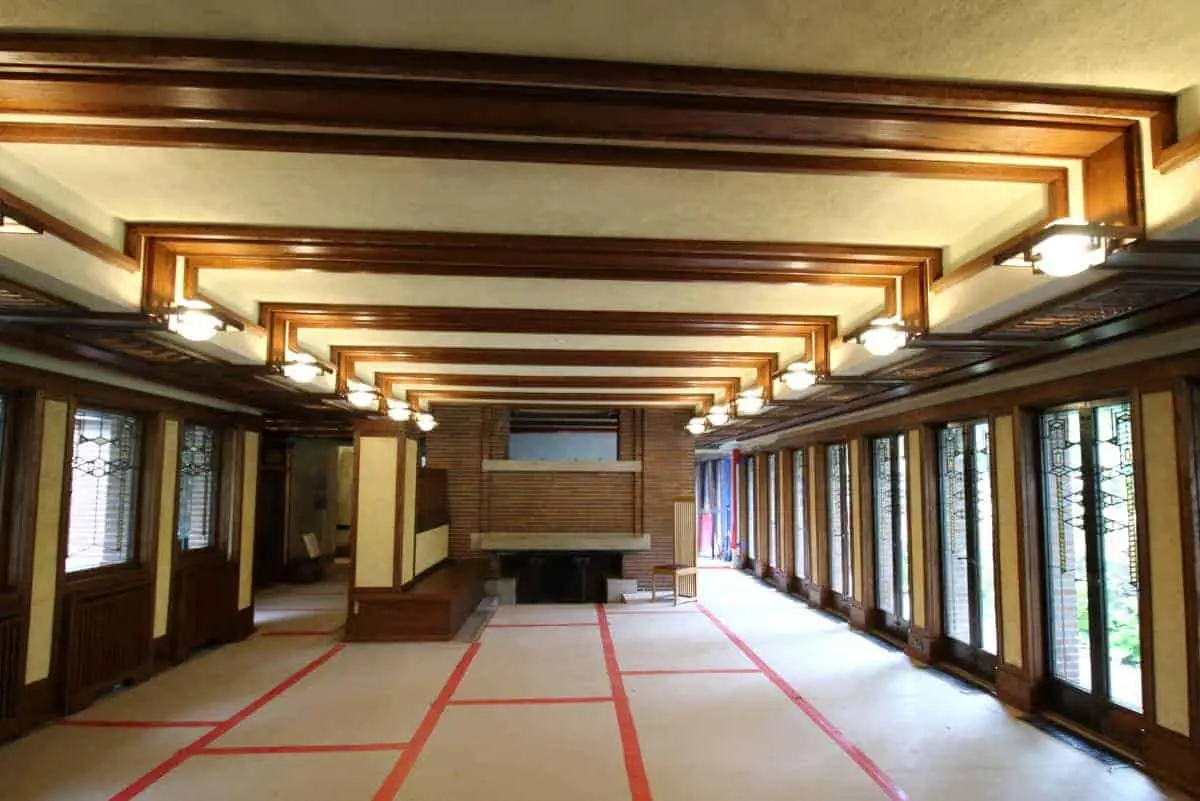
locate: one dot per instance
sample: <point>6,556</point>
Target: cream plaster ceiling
<point>243,289</point>
<point>1149,44</point>
<point>393,193</point>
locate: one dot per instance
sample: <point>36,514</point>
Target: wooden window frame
<point>222,446</point>
<point>141,501</point>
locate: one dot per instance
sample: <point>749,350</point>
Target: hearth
<point>545,577</point>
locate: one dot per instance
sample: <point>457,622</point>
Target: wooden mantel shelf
<point>515,541</point>
<point>547,466</point>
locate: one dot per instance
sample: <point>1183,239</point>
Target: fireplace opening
<point>558,577</point>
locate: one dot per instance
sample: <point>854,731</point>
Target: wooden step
<point>433,607</point>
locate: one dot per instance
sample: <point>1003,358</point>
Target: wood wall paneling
<point>167,506</point>
<point>249,516</point>
<point>1165,538</point>
<point>1004,448</point>
<point>52,477</point>
<point>377,477</point>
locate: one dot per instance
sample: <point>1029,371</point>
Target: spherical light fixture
<point>718,415</point>
<point>696,426</point>
<point>883,338</point>
<point>361,397</point>
<point>301,368</point>
<point>193,321</point>
<point>399,411</point>
<point>799,376</point>
<point>426,421</point>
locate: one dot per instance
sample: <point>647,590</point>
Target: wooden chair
<point>684,574</point>
<point>680,587</point>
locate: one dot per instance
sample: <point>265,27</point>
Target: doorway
<point>892,586</point>
<point>1093,616</point>
<point>968,547</point>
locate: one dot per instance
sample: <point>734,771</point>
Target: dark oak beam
<point>505,110</point>
<point>737,360</point>
<point>35,51</point>
<point>392,381</point>
<point>543,321</point>
<point>418,397</point>
<point>529,152</point>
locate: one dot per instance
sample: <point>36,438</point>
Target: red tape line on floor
<point>692,672</point>
<point>539,625</point>
<point>140,724</point>
<point>299,749</point>
<point>864,762</point>
<point>395,780</point>
<point>590,699</point>
<point>180,756</point>
<point>635,766</point>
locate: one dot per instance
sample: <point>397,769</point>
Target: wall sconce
<point>1068,247</point>
<point>697,426</point>
<point>426,422</point>
<point>884,336</point>
<point>718,415</point>
<point>799,376</point>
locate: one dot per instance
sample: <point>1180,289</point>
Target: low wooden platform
<point>434,607</point>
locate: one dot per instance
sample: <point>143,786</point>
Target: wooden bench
<point>434,607</point>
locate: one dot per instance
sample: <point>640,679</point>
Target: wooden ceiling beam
<point>39,51</point>
<point>418,397</point>
<point>389,382</point>
<point>544,321</point>
<point>507,150</point>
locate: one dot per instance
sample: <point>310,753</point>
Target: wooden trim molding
<point>72,235</point>
<point>1183,152</point>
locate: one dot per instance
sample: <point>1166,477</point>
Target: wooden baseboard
<point>858,616</point>
<point>1016,689</point>
<point>162,653</point>
<point>922,646</point>
<point>1171,757</point>
<point>35,707</point>
<point>243,624</point>
<point>818,596</point>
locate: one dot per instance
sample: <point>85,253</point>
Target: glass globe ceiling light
<point>361,397</point>
<point>1069,246</point>
<point>193,321</point>
<point>1068,253</point>
<point>799,376</point>
<point>426,421</point>
<point>399,411</point>
<point>301,368</point>
<point>750,402</point>
<point>696,426</point>
<point>718,415</point>
<point>884,337</point>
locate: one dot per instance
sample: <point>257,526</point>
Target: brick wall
<point>596,502</point>
<point>667,468</point>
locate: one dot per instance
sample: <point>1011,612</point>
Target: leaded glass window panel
<point>105,471</point>
<point>198,488</point>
